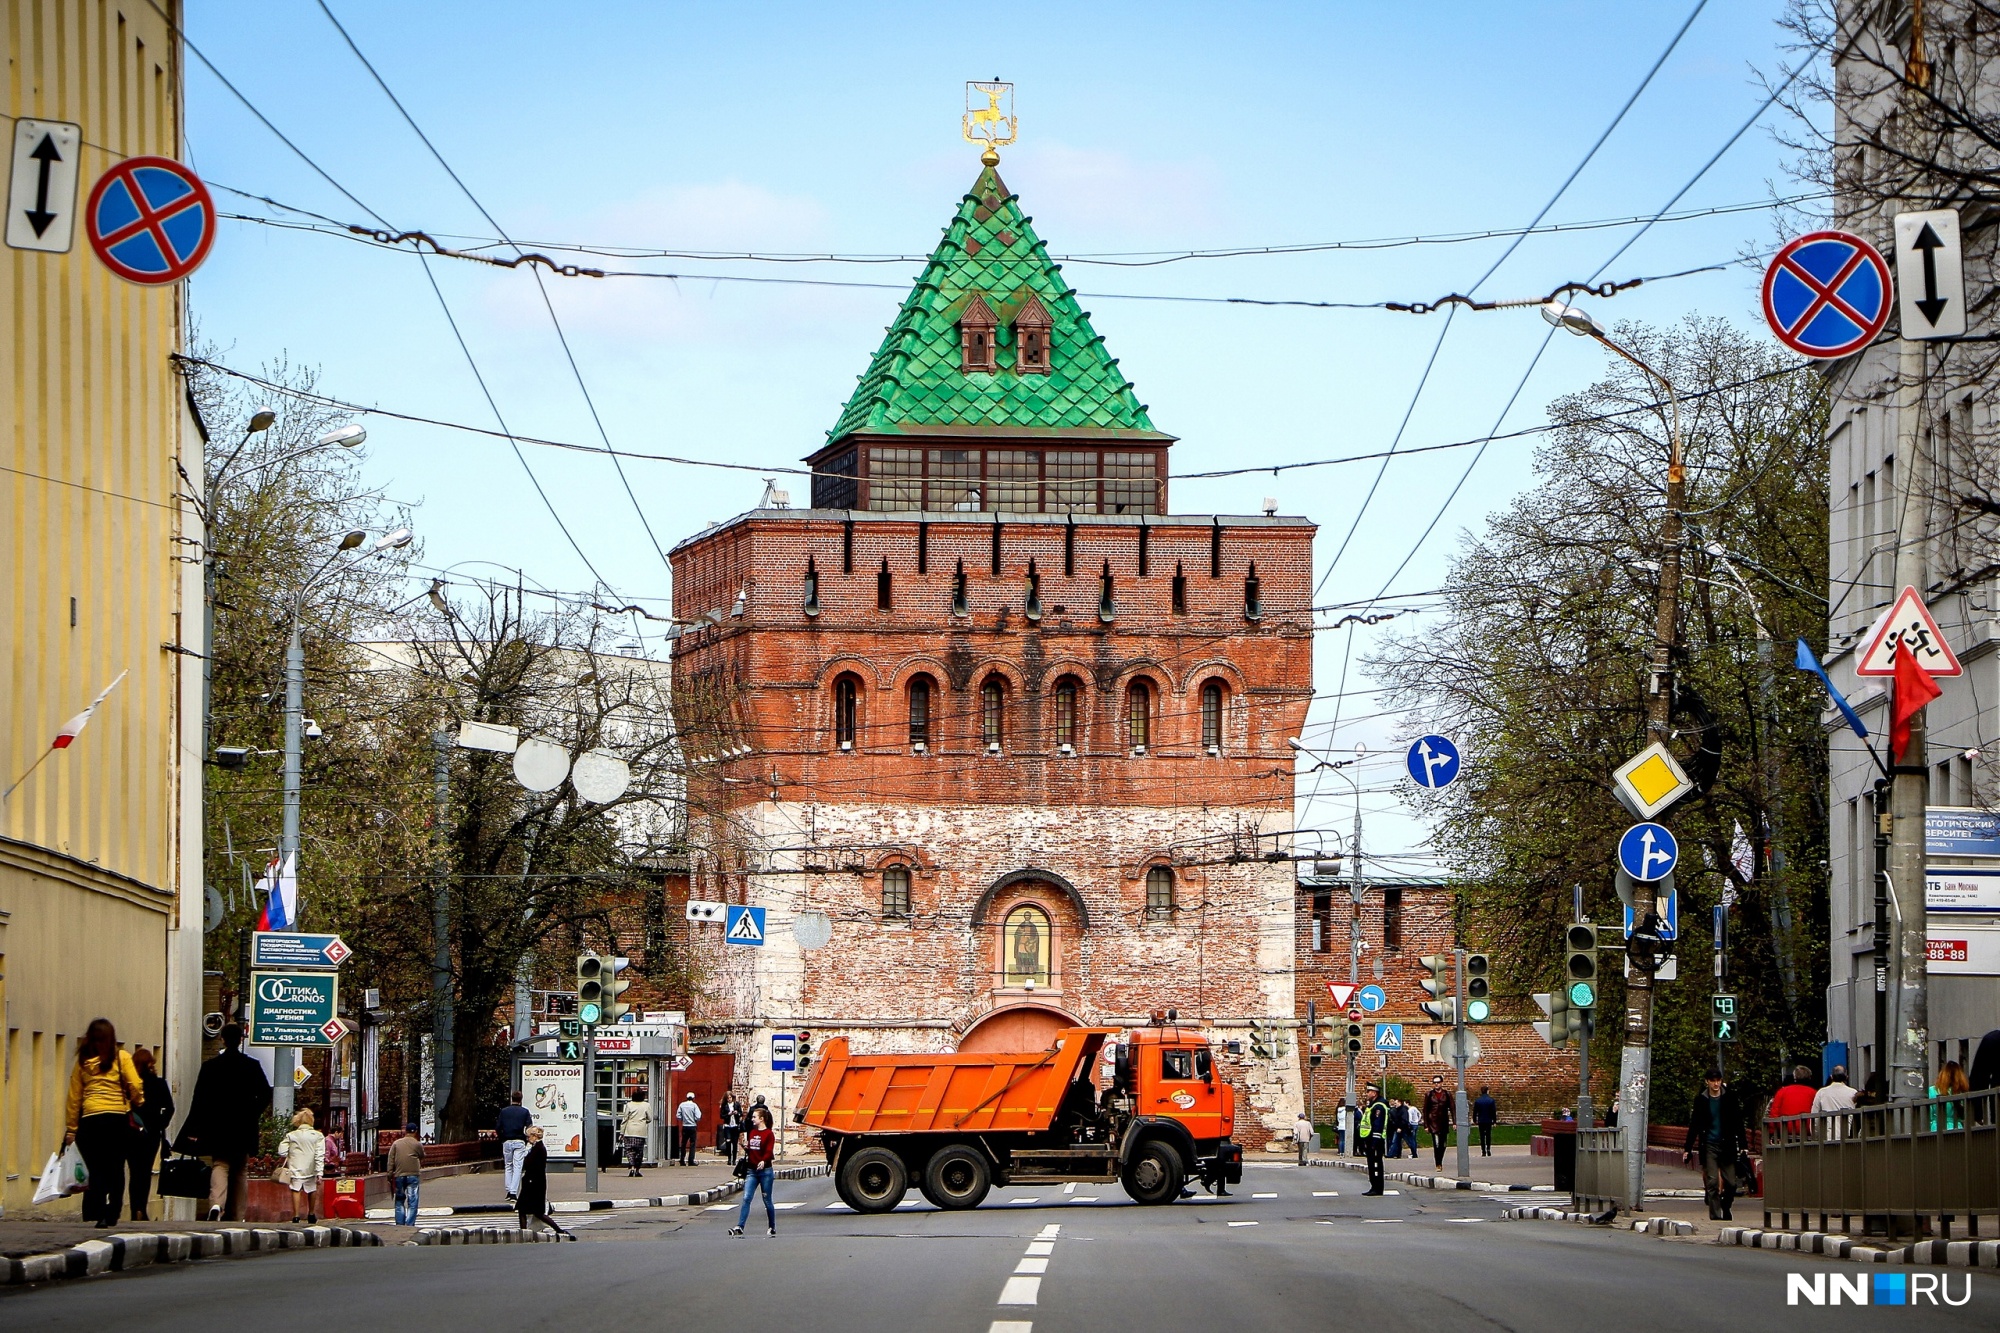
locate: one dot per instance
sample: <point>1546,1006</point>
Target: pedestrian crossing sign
<point>745,926</point>
<point>1388,1036</point>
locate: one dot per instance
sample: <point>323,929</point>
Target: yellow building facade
<point>100,574</point>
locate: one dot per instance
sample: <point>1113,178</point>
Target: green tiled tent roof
<point>914,383</point>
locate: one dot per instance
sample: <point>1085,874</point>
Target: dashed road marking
<point>1264,1196</point>
<point>1070,1188</point>
<point>838,1208</point>
<point>1032,1266</point>
<point>1465,1219</point>
<point>911,1203</point>
<point>1326,1194</point>
<point>1085,1198</point>
<point>1242,1224</point>
<point>1381,1221</point>
<point>1041,1247</point>
<point>1050,1231</point>
<point>1030,1199</point>
<point>1020,1291</point>
<point>796,1203</point>
<point>1011,1326</point>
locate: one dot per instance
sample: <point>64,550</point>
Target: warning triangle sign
<point>1908,624</point>
<point>747,929</point>
<point>1341,993</point>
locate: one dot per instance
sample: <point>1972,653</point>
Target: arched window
<point>896,892</point>
<point>992,711</point>
<point>1139,715</point>
<point>1211,715</point>
<point>846,709</point>
<point>920,711</point>
<point>1066,694</point>
<point>1159,893</point>
<point>1026,947</point>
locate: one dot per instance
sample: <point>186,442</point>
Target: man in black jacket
<point>1716,1136</point>
<point>230,1098</point>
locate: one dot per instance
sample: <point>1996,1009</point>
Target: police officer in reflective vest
<point>1371,1131</point>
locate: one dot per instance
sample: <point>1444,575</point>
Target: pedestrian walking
<point>406,1174</point>
<point>1371,1128</point>
<point>758,1143</point>
<point>1303,1131</point>
<point>1440,1114</point>
<point>223,1121</point>
<point>512,1124</point>
<point>636,1127</point>
<point>155,1113</point>
<point>531,1200</point>
<point>1485,1114</point>
<point>689,1117</point>
<point>1715,1135</point>
<point>304,1151</point>
<point>729,1126</point>
<point>1403,1120</point>
<point>104,1091</point>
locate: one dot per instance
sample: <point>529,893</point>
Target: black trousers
<point>1437,1148</point>
<point>687,1144</point>
<point>1486,1140</point>
<point>140,1158</point>
<point>1371,1148</point>
<point>104,1140</point>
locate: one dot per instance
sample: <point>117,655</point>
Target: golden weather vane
<point>989,117</point>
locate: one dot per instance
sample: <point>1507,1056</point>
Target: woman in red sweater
<point>758,1141</point>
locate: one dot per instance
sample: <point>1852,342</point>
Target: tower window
<point>1107,604</point>
<point>920,711</point>
<point>1139,715</point>
<point>846,709</point>
<point>885,598</point>
<point>1253,594</point>
<point>812,587</point>
<point>1180,590</point>
<point>992,712</point>
<point>1032,609</point>
<point>1066,711</point>
<point>896,892</point>
<point>975,336</point>
<point>1159,893</point>
<point>958,607</point>
<point>1392,920</point>
<point>1211,715</point>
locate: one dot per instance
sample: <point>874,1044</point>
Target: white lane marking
<point>1049,1232</point>
<point>911,1203</point>
<point>1070,1188</point>
<point>1020,1291</point>
<point>796,1203</point>
<point>1392,1191</point>
<point>1011,1326</point>
<point>1264,1196</point>
<point>838,1208</point>
<point>1242,1224</point>
<point>1032,1266</point>
<point>1041,1247</point>
<point>719,1207</point>
<point>1029,1199</point>
<point>1326,1194</point>
<point>1085,1198</point>
<point>1318,1223</point>
<point>1381,1221</point>
<point>1465,1219</point>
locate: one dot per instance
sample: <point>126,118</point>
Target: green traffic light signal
<point>1478,1011</point>
<point>1582,995</point>
<point>590,988</point>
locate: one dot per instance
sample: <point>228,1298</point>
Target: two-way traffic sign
<point>1930,275</point>
<point>41,190</point>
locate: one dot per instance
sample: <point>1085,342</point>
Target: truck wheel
<point>1153,1174</point>
<point>873,1180</point>
<point>958,1176</point>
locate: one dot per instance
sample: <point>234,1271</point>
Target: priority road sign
<point>1373,998</point>
<point>784,1051</point>
<point>1930,275</point>
<point>1432,761</point>
<point>150,220</point>
<point>41,190</point>
<point>746,926</point>
<point>1826,294</point>
<point>1388,1036</point>
<point>1907,624</point>
<point>1647,851</point>
<point>1651,780</point>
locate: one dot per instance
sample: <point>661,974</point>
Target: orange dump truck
<point>956,1125</point>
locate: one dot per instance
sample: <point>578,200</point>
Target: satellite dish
<point>211,909</point>
<point>540,765</point>
<point>600,776</point>
<point>812,929</point>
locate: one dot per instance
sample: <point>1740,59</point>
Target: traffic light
<point>589,988</point>
<point>1561,1024</point>
<point>1318,1053</point>
<point>1478,988</point>
<point>805,1051</point>
<point>1354,1039</point>
<point>615,986</point>
<point>1441,1007</point>
<point>1580,969</point>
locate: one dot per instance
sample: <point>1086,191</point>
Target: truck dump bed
<point>975,1092</point>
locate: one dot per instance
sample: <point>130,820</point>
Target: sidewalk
<point>485,1192</point>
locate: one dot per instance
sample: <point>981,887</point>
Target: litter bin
<point>1565,1159</point>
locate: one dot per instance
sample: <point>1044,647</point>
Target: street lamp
<point>1636,1058</point>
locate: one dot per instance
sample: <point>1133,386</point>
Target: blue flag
<point>1807,662</point>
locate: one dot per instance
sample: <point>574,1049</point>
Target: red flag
<point>1914,689</point>
<point>71,728</point>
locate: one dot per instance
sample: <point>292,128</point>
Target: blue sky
<point>835,129</point>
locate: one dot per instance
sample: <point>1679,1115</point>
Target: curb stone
<point>691,1200</point>
<point>1952,1253</point>
<point>127,1251</point>
<point>480,1236</point>
<point>1652,1226</point>
<point>1434,1182</point>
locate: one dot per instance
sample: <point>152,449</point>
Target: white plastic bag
<point>49,1188</point>
<point>64,1173</point>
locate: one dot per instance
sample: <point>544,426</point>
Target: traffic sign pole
<point>1458,1058</point>
<point>1907,1059</point>
<point>590,1111</point>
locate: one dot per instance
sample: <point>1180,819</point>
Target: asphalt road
<point>1312,1254</point>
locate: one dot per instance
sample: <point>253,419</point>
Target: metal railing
<point>1907,1166</point>
<point>1600,1168</point>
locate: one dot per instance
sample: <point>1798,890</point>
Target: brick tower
<point>1016,730</point>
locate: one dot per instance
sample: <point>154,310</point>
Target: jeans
<point>104,1140</point>
<point>406,1200</point>
<point>512,1151</point>
<point>759,1178</point>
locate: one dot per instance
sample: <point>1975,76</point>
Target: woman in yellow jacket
<point>104,1090</point>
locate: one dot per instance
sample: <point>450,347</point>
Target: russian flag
<point>280,885</point>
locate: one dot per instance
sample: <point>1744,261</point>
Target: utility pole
<point>441,1005</point>
<point>1312,1064</point>
<point>1458,1055</point>
<point>590,1110</point>
<point>1354,891</point>
<point>283,1058</point>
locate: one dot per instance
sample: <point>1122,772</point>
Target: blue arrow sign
<point>1668,908</point>
<point>1371,998</point>
<point>745,925</point>
<point>1388,1036</point>
<point>1648,852</point>
<point>1432,761</point>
